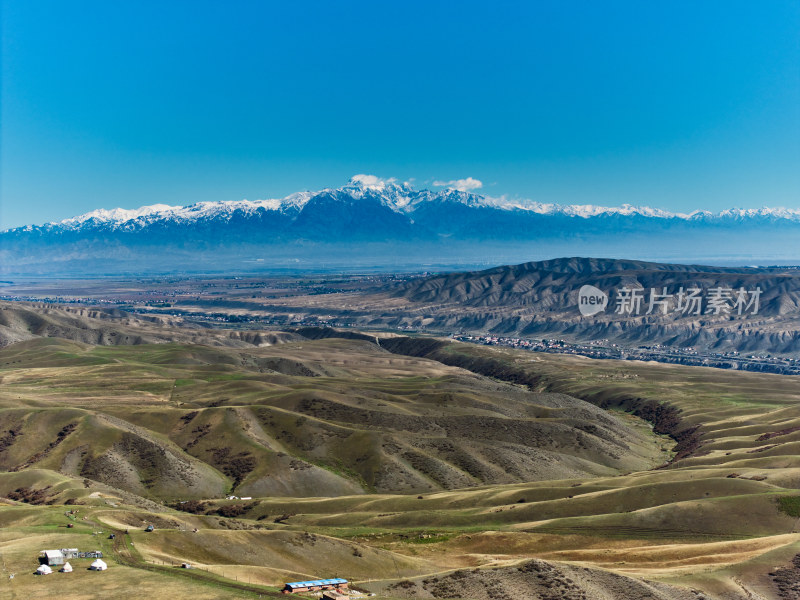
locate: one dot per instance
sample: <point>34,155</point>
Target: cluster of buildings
<point>59,558</point>
<point>604,349</point>
<point>332,589</point>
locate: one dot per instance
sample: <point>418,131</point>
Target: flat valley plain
<point>415,467</point>
<point>534,301</point>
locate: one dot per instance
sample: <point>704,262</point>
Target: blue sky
<point>679,105</point>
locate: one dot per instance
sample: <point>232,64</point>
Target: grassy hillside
<point>310,418</point>
<point>417,468</point>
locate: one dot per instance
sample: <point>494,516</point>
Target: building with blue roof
<point>315,585</point>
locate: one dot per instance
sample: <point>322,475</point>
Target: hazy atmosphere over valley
<point>487,301</point>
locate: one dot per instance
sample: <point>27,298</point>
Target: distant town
<point>657,352</point>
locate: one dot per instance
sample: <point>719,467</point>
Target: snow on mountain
<point>585,210</point>
<point>399,197</point>
<point>371,222</point>
<point>117,215</point>
<point>390,193</point>
<point>746,213</point>
<point>222,210</point>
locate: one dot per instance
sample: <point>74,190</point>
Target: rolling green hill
<point>419,468</point>
<point>310,418</point>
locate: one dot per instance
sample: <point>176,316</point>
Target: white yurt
<point>67,568</point>
<point>44,570</point>
<point>98,565</point>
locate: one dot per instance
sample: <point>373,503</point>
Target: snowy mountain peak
<point>399,197</point>
<point>118,214</point>
<point>223,209</point>
<point>372,182</point>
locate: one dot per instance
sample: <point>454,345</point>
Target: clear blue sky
<point>679,105</point>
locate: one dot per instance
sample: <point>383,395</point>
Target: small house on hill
<point>315,585</point>
<point>51,558</point>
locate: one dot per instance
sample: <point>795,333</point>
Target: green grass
<point>728,491</point>
<point>227,377</point>
<point>430,539</point>
<point>337,467</point>
<point>184,382</point>
<point>789,505</point>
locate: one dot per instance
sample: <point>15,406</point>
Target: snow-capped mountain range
<point>400,198</point>
<point>369,211</point>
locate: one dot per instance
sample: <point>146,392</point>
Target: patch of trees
<point>236,466</point>
<point>191,506</point>
<point>235,510</point>
<point>10,437</point>
<point>30,495</point>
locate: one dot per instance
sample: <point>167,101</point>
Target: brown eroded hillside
<point>540,300</point>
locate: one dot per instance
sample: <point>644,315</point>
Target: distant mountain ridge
<point>371,222</point>
<point>400,198</point>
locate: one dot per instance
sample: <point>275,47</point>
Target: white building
<point>98,565</point>
<point>51,558</point>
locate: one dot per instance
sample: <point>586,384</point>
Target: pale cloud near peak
<point>371,181</point>
<point>462,185</point>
